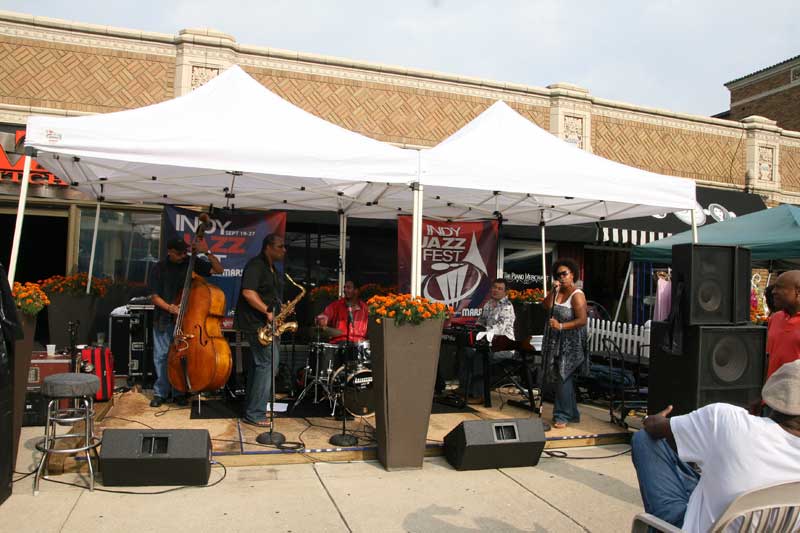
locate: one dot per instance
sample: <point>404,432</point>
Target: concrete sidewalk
<point>558,495</point>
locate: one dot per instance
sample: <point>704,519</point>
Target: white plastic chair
<point>775,508</point>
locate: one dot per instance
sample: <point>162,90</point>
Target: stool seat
<point>70,385</point>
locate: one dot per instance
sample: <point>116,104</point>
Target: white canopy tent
<point>503,164</point>
<point>232,143</point>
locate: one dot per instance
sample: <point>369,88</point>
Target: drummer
<point>348,315</point>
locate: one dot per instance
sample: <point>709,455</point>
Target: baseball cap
<point>782,390</point>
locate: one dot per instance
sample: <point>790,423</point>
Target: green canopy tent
<point>772,235</point>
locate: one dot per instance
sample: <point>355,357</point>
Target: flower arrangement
<point>324,291</point>
<point>30,298</point>
<point>368,290</point>
<point>758,311</point>
<point>74,285</point>
<point>527,296</point>
<point>406,310</point>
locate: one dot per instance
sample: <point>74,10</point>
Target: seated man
<point>348,314</point>
<point>497,318</point>
<point>736,452</point>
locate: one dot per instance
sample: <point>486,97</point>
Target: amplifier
<point>134,457</point>
<point>35,408</point>
<point>43,366</point>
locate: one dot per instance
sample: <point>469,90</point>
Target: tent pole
<point>342,251</point>
<point>130,252</point>
<point>694,229</point>
<point>94,246</point>
<point>624,286</point>
<point>23,197</point>
<point>416,241</point>
<point>544,258</point>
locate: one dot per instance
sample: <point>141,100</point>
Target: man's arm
<point>255,301</point>
<point>165,306</point>
<point>658,427</point>
<point>202,247</point>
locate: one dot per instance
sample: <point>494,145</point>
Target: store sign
<point>459,262</point>
<point>234,238</point>
<point>13,172</point>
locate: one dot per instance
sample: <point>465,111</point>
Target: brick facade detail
<point>782,107</point>
<point>61,76</point>
<point>767,84</point>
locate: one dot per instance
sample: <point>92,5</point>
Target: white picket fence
<point>629,337</point>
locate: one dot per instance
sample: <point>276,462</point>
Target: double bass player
<point>166,280</point>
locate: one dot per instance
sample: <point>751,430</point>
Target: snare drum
<point>356,388</point>
<point>324,358</point>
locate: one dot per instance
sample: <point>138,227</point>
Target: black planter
<point>530,319</point>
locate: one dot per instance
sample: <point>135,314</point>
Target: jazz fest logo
<point>456,267</point>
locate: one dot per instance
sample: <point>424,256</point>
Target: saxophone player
<point>261,292</point>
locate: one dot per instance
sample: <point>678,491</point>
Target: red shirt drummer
<point>348,309</point>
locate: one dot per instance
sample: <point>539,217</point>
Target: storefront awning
<point>713,205</point>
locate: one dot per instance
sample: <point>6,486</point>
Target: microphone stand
<point>272,436</point>
<point>343,439</point>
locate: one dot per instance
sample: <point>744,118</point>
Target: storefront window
<point>127,244</point>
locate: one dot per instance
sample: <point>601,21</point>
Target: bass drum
<point>356,390</point>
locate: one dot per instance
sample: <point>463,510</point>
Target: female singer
<point>564,344</point>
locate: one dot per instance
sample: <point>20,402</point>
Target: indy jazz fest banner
<point>234,238</point>
<point>459,262</point>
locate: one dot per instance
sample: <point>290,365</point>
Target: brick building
<point>772,92</point>
<point>50,66</point>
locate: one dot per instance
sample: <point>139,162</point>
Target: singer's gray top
<point>565,350</point>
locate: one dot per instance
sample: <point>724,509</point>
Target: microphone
<point>350,314</point>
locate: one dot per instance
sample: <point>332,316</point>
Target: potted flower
<point>368,290</point>
<point>405,335</point>
<point>69,302</point>
<point>30,299</point>
<point>529,311</point>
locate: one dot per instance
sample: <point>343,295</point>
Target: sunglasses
<point>561,274</point>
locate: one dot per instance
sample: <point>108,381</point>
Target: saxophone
<point>281,326</point>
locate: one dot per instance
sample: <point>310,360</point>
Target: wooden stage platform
<point>234,443</point>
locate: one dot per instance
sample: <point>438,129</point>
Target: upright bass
<point>199,357</point>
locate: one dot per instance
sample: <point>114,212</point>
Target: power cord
<point>560,454</point>
<point>173,489</point>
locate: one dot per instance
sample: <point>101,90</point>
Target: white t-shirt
<point>737,452</point>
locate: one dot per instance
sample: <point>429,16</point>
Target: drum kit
<point>339,374</point>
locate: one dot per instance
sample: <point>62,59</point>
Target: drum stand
<point>315,383</point>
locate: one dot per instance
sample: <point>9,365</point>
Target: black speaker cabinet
<point>481,444</point>
<point>131,342</point>
<point>716,364</point>
<point>133,457</point>
<point>716,281</point>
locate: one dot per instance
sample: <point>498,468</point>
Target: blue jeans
<point>665,481</point>
<point>565,404</point>
<point>161,341</point>
<point>259,378</point>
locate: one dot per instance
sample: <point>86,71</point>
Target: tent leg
<point>416,241</point>
<point>342,252</point>
<point>694,229</point>
<point>94,246</point>
<point>23,197</point>
<point>624,286</point>
<point>544,260</point>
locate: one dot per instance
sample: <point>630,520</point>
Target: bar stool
<point>81,390</point>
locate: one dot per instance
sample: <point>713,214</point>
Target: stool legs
<point>83,406</point>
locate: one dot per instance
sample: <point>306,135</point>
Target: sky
<point>669,54</point>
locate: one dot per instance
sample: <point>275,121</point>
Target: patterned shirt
<point>498,317</point>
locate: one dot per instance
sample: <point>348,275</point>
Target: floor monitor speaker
<point>133,457</point>
<point>716,283</point>
<point>481,444</point>
<point>716,364</point>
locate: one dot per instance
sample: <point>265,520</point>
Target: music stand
<point>272,437</point>
<point>343,439</point>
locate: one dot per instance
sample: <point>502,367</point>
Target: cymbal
<point>325,332</point>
